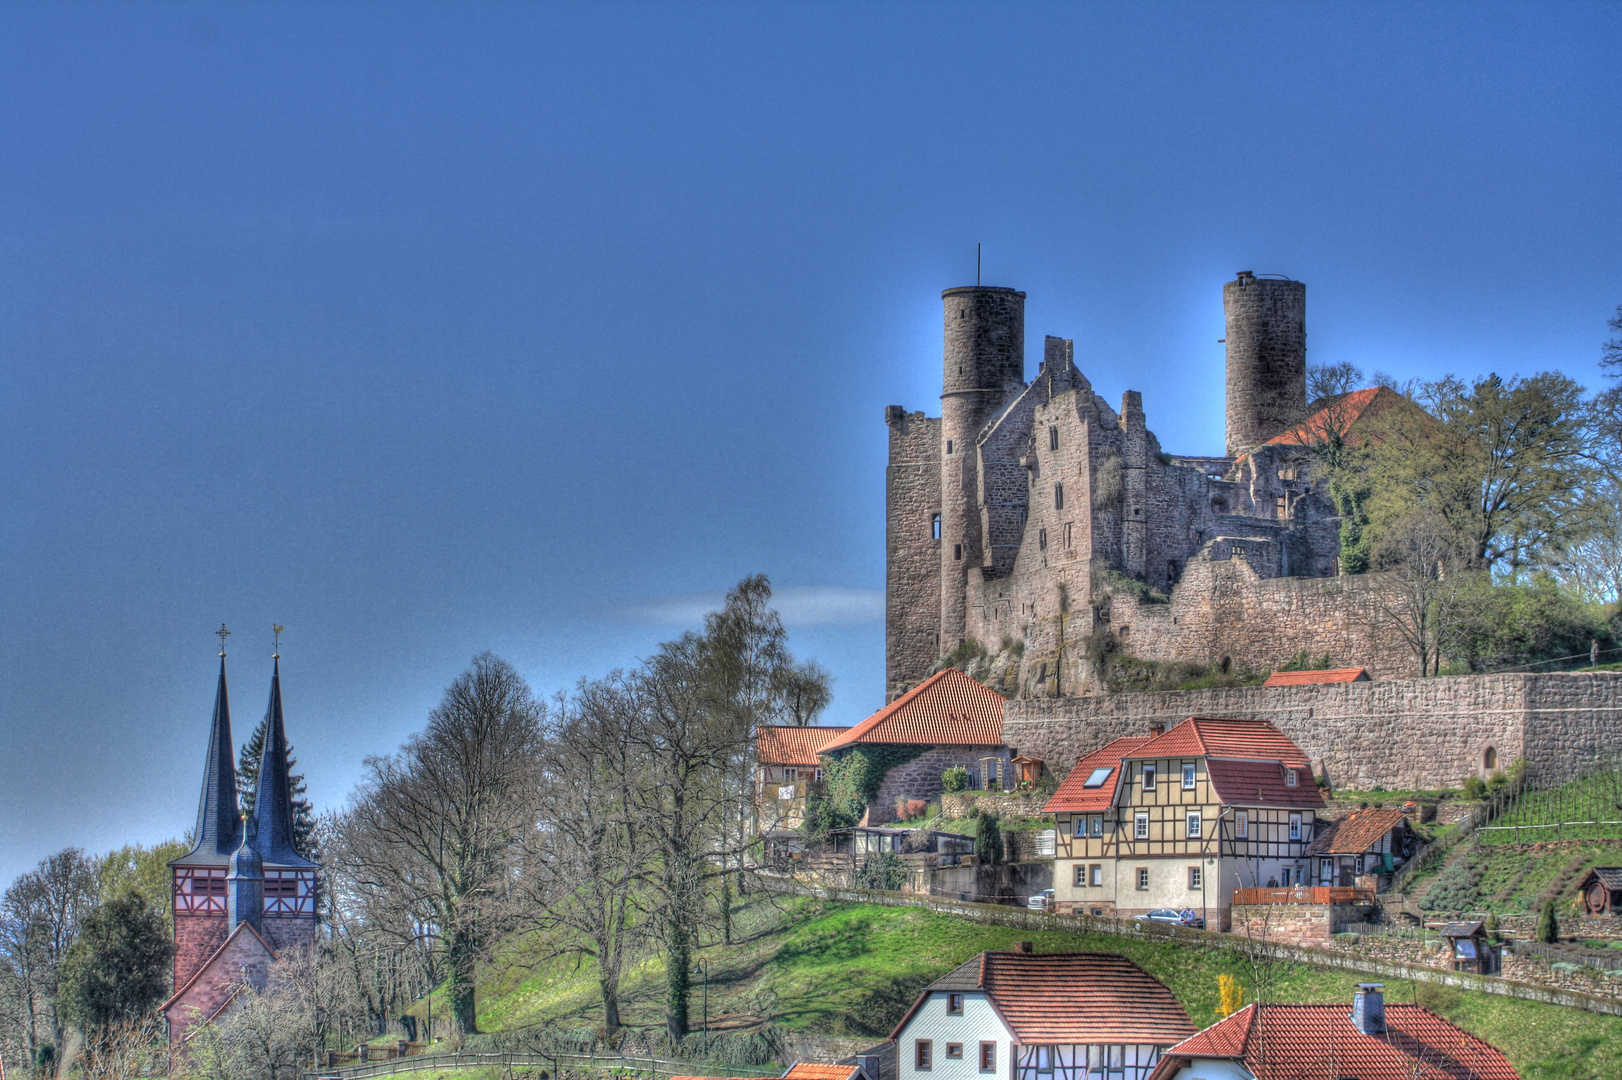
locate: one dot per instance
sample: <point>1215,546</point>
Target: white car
<point>1042,901</point>
<point>1172,916</point>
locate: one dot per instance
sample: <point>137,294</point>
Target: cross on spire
<point>222,633</point>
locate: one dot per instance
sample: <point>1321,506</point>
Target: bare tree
<point>1421,592</point>
<point>124,1049</point>
<point>438,829</point>
<point>39,919</point>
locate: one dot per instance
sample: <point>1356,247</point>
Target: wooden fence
<point>1305,894</point>
<point>649,1065</point>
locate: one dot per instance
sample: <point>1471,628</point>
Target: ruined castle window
<point>1058,496</point>
<point>1489,759</point>
<point>1219,505</point>
<point>1041,539</point>
<point>957,551</point>
<point>1067,530</point>
<point>1283,507</point>
<point>1053,438</point>
<point>1171,573</point>
<point>948,446</point>
<point>935,526</point>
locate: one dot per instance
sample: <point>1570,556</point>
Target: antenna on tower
<point>977,266</point>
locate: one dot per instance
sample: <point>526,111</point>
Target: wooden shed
<point>1470,949</point>
<point>1601,891</point>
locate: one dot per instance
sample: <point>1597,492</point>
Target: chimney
<point>1157,728</point>
<point>1368,1009</point>
<point>1022,947</point>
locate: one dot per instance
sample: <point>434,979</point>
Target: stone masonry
<point>920,778</point>
<point>1362,735</point>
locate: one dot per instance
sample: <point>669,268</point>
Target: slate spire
<point>219,826</point>
<point>272,821</point>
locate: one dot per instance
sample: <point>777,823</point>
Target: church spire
<point>218,830</point>
<point>272,822</point>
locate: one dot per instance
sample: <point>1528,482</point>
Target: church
<point>243,894</point>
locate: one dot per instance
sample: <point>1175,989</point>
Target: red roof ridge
<point>1323,675</point>
<point>982,729</point>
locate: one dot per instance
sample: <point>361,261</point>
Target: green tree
<point>1548,930</point>
<point>988,846</point>
<point>248,788</point>
<point>118,969</point>
<point>141,868</point>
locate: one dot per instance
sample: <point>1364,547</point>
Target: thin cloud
<point>800,605</point>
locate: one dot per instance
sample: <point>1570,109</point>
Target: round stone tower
<point>985,360</point>
<point>1267,358</point>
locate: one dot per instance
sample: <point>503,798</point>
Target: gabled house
<point>786,765</point>
<point>1371,1041</point>
<point>1026,1016</point>
<point>1178,819</point>
<point>1363,842</point>
<point>947,720</point>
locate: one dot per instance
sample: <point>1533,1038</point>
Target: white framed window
<point>1194,825</point>
<point>1241,825</point>
<point>1095,825</point>
<point>1195,881</point>
<point>1295,826</point>
<point>1140,826</point>
<point>1143,879</point>
<point>954,1050</point>
<point>1188,776</point>
<point>1148,778</point>
<point>954,1004</point>
<point>1095,874</point>
<point>1289,777</point>
<point>1081,876</point>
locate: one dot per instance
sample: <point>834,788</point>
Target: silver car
<point>1042,901</point>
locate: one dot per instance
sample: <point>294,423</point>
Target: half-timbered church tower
<point>243,893</point>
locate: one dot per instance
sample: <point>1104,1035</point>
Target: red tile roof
<point>805,1070</point>
<point>1345,412</point>
<point>1262,783</point>
<point>793,745</point>
<point>1203,736</point>
<point>1073,795</point>
<point>1295,1042</point>
<point>1355,833</point>
<point>1311,678</point>
<point>1056,998</point>
<point>947,709</point>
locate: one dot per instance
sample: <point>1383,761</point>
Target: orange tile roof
<point>946,709</point>
<point>1355,833</point>
<point>1341,411</point>
<point>1309,678</point>
<point>1055,998</point>
<point>1262,783</point>
<point>1206,736</point>
<point>1073,795</point>
<point>1292,1042</point>
<point>793,745</point>
<point>805,1070</point>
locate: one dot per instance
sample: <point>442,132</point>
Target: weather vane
<point>276,649</point>
<point>222,633</point>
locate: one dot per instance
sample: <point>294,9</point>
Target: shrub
<point>882,871</point>
<point>956,778</point>
<point>988,847</point>
<point>1548,925</point>
<point>1493,927</point>
<point>1438,999</point>
<point>1474,788</point>
<point>1231,995</point>
<point>910,809</point>
<point>1455,888</point>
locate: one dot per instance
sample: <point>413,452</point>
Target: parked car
<point>1172,916</point>
<point>1042,901</point>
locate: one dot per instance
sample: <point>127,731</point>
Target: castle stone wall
<point>1267,358</point>
<point>912,562</point>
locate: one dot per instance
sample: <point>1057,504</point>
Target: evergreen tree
<point>1548,924</point>
<point>248,788</point>
<point>119,967</point>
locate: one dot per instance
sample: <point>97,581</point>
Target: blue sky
<point>430,329</point>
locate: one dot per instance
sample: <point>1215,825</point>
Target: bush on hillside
<point>883,871</point>
<point>956,778</point>
<point>1548,930</point>
<point>1503,626</point>
<point>1455,888</point>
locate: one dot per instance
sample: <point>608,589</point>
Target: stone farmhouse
<point>242,894</point>
<point>1181,818</point>
<point>1049,1016</point>
<point>1013,515</point>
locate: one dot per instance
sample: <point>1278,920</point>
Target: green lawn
<point>852,969</point>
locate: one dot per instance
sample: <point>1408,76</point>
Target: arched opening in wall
<point>1219,505</point>
<point>1489,760</point>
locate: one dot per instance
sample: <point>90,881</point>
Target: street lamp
<point>700,969</point>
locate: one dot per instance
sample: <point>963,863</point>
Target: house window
<point>1081,876</point>
<point>1097,777</point>
<point>1140,826</point>
<point>1096,827</point>
<point>957,551</point>
<point>1041,539</point>
<point>954,1004</point>
<point>1289,777</point>
<point>1096,874</point>
<point>1053,438</point>
<point>954,1050</point>
<point>1194,825</point>
<point>923,1050</point>
<point>1194,881</point>
<point>1188,777</point>
<point>1143,879</point>
<point>1058,496</point>
<point>1241,825</point>
<point>1295,826</point>
<point>935,526</point>
<point>988,1057</point>
<point>1326,871</point>
<point>1148,778</point>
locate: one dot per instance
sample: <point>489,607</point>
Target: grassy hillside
<point>852,969</point>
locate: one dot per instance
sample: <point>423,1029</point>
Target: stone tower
<point>1267,358</point>
<point>984,364</point>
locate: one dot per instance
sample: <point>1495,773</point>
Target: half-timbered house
<point>1179,819</point>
